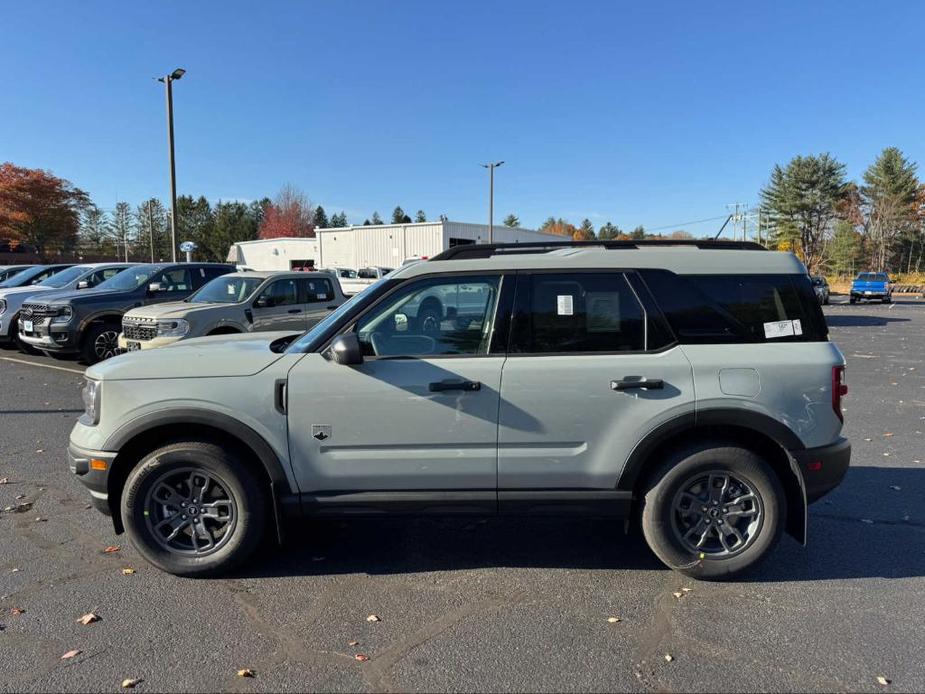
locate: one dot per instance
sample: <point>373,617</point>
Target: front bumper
<point>48,336</point>
<point>85,463</point>
<point>147,344</point>
<point>870,295</point>
<point>823,468</point>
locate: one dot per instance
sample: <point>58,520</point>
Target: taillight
<point>839,389</point>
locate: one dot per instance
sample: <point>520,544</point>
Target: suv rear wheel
<point>713,511</point>
<point>194,509</point>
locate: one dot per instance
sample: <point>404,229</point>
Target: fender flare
<point>757,422</point>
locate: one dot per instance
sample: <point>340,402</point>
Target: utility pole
<point>736,216</point>
<point>491,166</point>
<point>151,228</point>
<point>168,83</point>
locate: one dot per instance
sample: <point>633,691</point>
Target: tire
<point>851,300</point>
<point>888,300</point>
<point>826,301</point>
<point>101,341</point>
<point>701,467</point>
<point>147,502</point>
<point>24,347</point>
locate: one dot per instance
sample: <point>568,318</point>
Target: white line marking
<point>44,366</point>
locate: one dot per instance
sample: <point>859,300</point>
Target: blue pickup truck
<point>871,285</point>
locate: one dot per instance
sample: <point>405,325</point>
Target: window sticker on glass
<point>565,305</point>
<point>782,328</point>
<point>322,297</point>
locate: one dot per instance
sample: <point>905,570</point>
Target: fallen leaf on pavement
<point>373,618</point>
<point>111,549</point>
<point>127,571</point>
<point>40,519</point>
<point>20,496</point>
<point>678,595</point>
<point>362,657</point>
<point>129,683</point>
<point>39,450</point>
<point>353,643</point>
<point>89,618</point>
<point>668,657</point>
<point>15,571</point>
<point>868,439</point>
<point>686,590</point>
<point>895,487</point>
<point>882,681</point>
<point>5,480</point>
<point>889,433</point>
<point>71,654</point>
<point>246,672</point>
<point>613,620</point>
<point>17,611</point>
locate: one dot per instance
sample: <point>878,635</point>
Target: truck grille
<point>139,330</point>
<point>37,311</point>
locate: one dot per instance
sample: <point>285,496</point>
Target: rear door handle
<point>442,386</point>
<point>637,382</point>
<point>295,310</point>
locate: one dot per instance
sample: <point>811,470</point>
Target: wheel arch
<point>767,437</point>
<point>148,432</point>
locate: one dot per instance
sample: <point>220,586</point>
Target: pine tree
<point>638,234</point>
<point>377,220</point>
<point>339,220</point>
<point>320,219</point>
<point>94,234</point>
<point>420,217</point>
<point>585,231</point>
<point>123,227</point>
<point>152,232</point>
<point>889,196</point>
<point>609,232</point>
<point>512,221</point>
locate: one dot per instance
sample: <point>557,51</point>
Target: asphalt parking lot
<point>478,605</point>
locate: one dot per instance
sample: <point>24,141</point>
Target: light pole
<point>168,83</point>
<point>491,166</point>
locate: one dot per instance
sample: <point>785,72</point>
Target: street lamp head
<point>177,74</point>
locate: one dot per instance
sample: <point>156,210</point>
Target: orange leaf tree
<point>290,214</point>
<point>39,209</point>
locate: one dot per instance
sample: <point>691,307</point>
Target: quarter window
<point>449,316</point>
<point>318,290</point>
<point>576,312</point>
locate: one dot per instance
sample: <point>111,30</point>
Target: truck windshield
<point>226,290</point>
<point>872,277</point>
<point>309,340</point>
<point>130,278</point>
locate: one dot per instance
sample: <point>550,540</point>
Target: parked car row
<point>95,311</point>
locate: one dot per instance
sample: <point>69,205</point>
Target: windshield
<point>130,278</point>
<point>872,277</point>
<point>307,341</point>
<point>226,290</point>
<point>64,278</point>
<point>21,279</point>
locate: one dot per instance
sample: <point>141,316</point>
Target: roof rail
<point>487,250</point>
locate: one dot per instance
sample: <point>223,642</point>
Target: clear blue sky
<point>640,113</point>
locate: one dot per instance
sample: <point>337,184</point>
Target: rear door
<point>318,299</point>
<point>590,371</point>
<point>278,306</point>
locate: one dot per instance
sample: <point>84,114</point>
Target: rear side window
<point>318,290</point>
<point>576,312</point>
<point>703,309</point>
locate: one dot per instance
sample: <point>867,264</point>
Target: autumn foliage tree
<point>39,209</point>
<point>290,214</point>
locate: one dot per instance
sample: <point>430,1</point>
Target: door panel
<point>563,426</point>
<point>277,307</point>
<point>388,430</point>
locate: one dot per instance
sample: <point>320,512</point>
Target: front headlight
<point>91,397</point>
<point>172,328</point>
<point>64,315</point>
<point>2,306</point>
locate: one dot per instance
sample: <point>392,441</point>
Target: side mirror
<point>346,350</point>
<point>155,287</point>
<point>83,284</point>
<point>261,302</point>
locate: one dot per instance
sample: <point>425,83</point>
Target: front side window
<point>279,293</point>
<point>178,280</point>
<point>433,317</point>
<point>576,312</point>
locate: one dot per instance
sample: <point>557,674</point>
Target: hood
<point>23,291</point>
<point>71,296</point>
<point>203,357</point>
<point>171,309</point>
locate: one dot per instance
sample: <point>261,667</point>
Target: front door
<point>421,412</point>
<point>278,307</point>
<point>574,395</point>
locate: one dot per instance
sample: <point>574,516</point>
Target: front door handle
<point>442,386</point>
<point>295,310</point>
<point>637,382</point>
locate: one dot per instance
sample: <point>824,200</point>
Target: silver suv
<point>239,302</point>
<point>691,386</point>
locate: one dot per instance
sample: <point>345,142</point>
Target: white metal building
<point>384,245</point>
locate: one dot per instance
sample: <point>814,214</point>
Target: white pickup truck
<point>355,281</point>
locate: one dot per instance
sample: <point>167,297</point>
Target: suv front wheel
<point>194,509</point>
<point>713,511</point>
